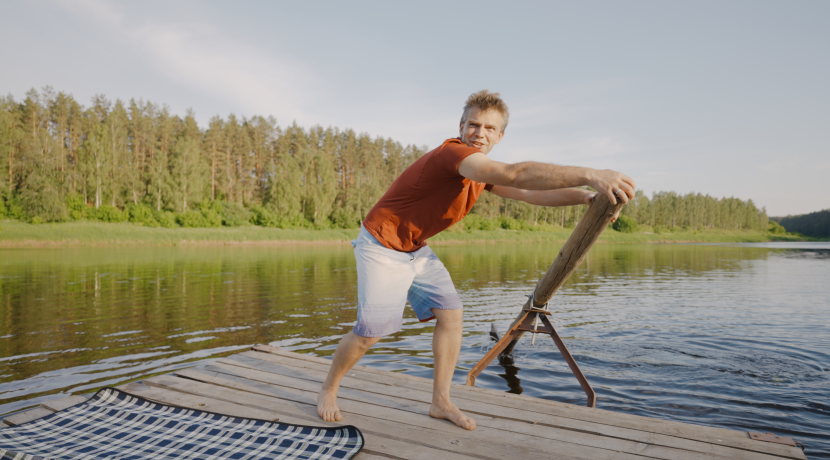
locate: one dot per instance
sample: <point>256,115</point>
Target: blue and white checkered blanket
<point>114,424</point>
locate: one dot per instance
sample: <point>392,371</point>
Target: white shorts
<point>387,279</point>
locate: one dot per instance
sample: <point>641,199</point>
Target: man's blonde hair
<point>485,100</point>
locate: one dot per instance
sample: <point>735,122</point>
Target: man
<point>394,264</point>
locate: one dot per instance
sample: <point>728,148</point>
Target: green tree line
<point>815,224</point>
<point>135,161</point>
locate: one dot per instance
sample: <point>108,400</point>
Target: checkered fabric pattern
<point>113,424</point>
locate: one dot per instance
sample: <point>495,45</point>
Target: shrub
<point>15,210</point>
<point>489,224</point>
<point>109,213</point>
<point>191,219</point>
<point>776,229</point>
<point>346,217</point>
<point>206,205</point>
<point>142,214</point>
<point>77,206</point>
<point>625,224</point>
<point>4,211</point>
<point>470,222</point>
<point>212,218</point>
<point>479,222</point>
<point>509,223</point>
<point>260,215</point>
<point>166,219</point>
<point>234,214</point>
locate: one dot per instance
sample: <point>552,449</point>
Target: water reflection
<point>728,335</point>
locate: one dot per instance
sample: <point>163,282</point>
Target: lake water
<point>729,335</point>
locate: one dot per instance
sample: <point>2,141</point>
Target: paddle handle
<point>584,236</point>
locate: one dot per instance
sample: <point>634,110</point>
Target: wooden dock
<point>391,411</point>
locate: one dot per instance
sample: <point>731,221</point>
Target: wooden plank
<point>375,444</point>
<point>298,363</point>
<point>249,380</point>
<point>483,442</point>
<point>60,404</point>
<point>576,430</point>
<point>27,416</point>
<point>363,455</point>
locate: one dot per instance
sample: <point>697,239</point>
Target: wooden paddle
<point>534,313</point>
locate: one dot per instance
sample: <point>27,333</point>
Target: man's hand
<point>593,196</point>
<point>612,184</point>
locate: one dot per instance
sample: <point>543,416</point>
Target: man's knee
<point>364,342</point>
<point>449,318</point>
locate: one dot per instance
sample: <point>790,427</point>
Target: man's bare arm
<point>560,197</point>
<point>530,175</point>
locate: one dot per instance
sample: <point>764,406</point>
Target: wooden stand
<point>535,321</point>
<point>534,312</point>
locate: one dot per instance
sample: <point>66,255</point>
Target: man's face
<point>482,129</point>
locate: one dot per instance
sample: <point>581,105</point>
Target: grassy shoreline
<point>15,234</point>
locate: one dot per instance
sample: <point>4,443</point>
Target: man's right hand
<point>612,184</point>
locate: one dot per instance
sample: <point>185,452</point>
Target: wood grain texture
<point>299,366</point>
<point>505,418</point>
<point>376,445</point>
<point>505,425</point>
<point>27,416</point>
<point>444,437</point>
<point>589,228</point>
<point>391,410</point>
<point>55,405</point>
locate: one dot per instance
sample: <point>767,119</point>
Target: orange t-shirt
<point>426,199</point>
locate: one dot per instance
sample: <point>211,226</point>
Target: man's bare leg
<point>446,345</point>
<point>351,348</point>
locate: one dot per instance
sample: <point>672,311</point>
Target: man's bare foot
<point>327,406</point>
<point>449,411</point>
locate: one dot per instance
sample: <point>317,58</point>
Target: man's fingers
<point>612,197</point>
<point>630,182</point>
<point>627,189</point>
<point>622,195</point>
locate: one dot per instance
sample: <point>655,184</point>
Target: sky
<point>722,98</point>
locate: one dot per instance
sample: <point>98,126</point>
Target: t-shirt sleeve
<point>452,154</point>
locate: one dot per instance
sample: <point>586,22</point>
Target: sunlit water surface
<point>736,336</point>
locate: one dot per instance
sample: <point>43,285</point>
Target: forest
<point>815,224</point>
<point>137,162</point>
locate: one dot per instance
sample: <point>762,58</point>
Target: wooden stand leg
<point>583,382</point>
<point>525,324</point>
<point>506,340</point>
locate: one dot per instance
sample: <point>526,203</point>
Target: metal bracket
<point>533,307</point>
